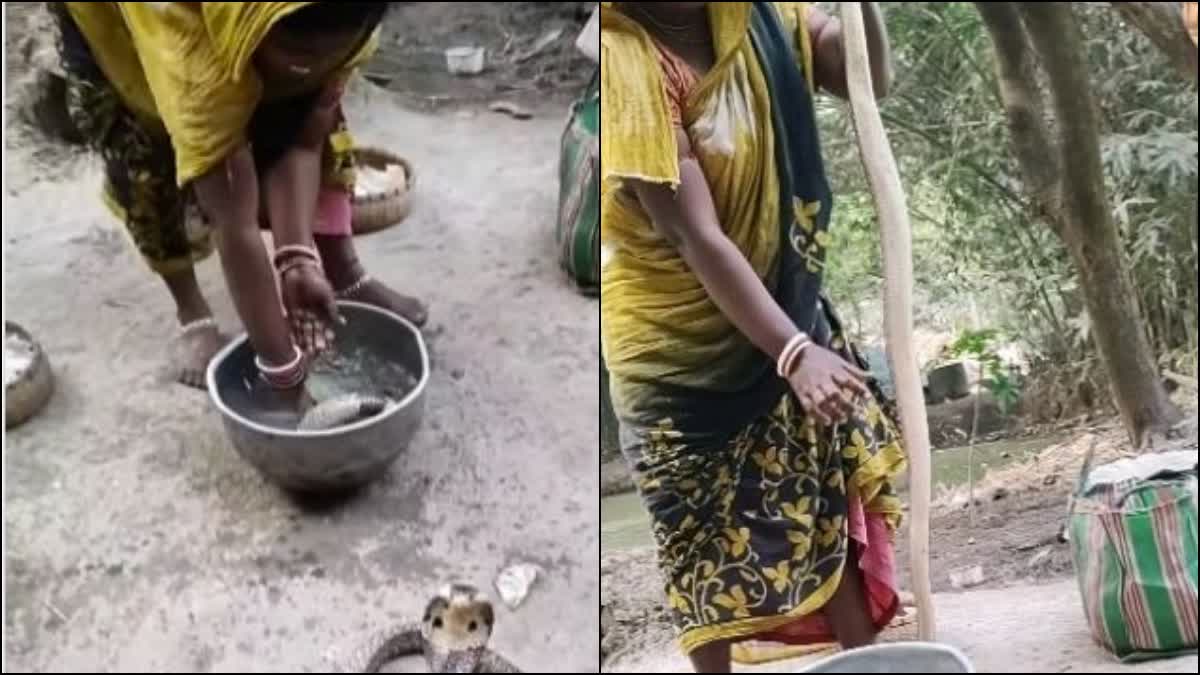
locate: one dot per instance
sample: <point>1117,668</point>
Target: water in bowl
<point>355,369</point>
<point>345,369</point>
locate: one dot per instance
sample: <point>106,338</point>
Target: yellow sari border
<point>695,638</point>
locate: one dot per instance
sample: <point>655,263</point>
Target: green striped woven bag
<point>1134,544</point>
<point>578,230</point>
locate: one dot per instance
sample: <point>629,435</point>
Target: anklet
<point>353,289</point>
<point>193,326</point>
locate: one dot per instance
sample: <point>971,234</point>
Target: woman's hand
<point>281,408</point>
<point>826,385</point>
<point>311,307</point>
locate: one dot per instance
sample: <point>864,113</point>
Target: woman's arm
<point>688,219</point>
<point>229,195</point>
<point>293,184</point>
<point>829,51</point>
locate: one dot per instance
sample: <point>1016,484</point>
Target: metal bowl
<point>330,460</point>
<point>28,393</point>
<point>897,657</point>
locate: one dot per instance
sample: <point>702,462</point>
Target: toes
<point>193,378</point>
<point>417,313</point>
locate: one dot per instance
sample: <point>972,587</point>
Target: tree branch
<point>1015,199</point>
<point>1162,23</point>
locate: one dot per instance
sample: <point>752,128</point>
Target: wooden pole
<point>896,233</point>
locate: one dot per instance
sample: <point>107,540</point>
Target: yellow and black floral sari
<point>756,508</point>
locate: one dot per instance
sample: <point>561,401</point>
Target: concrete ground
<point>137,540</point>
<point>1020,629</point>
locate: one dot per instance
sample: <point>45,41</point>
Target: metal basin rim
<point>236,343</point>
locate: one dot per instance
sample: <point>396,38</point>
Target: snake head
<point>456,626</point>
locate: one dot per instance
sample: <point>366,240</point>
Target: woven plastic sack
<point>1133,535</point>
<point>578,229</point>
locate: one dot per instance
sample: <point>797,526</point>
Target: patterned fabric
<point>756,509</point>
<point>753,537</point>
<point>140,183</point>
<point>1134,545</point>
<point>186,65</point>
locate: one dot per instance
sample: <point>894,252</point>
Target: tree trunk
<point>1162,22</point>
<point>1064,174</point>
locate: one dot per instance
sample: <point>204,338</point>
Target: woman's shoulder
<point>626,55</point>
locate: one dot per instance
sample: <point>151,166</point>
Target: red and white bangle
<point>296,263</point>
<point>287,376</point>
<point>791,354</point>
<point>286,253</point>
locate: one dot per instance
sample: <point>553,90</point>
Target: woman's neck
<point>674,16</point>
<point>671,25</point>
<point>684,31</point>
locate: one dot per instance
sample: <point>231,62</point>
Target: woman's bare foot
<point>198,342</point>
<point>199,338</point>
<point>375,292</point>
<point>352,282</point>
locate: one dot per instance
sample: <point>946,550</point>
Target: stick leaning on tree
<point>884,180</point>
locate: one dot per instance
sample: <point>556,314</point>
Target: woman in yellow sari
<point>758,443</point>
<point>212,117</point>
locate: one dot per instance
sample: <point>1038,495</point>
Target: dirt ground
<point>992,628</point>
<point>1012,538</point>
<point>529,48</point>
<point>137,540</point>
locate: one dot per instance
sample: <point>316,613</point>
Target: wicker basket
<point>374,212</point>
<point>29,392</point>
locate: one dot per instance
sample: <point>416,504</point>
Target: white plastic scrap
<point>1142,468</point>
<point>513,583</point>
<point>589,39</point>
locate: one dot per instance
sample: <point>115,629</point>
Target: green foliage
<point>995,374</point>
<point>975,233</point>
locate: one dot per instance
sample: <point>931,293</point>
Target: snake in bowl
<point>452,635</point>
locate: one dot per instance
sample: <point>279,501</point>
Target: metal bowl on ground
<point>897,657</point>
<point>28,378</point>
<point>329,460</point>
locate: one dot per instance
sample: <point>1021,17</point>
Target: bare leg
<point>344,271</point>
<point>711,658</point>
<point>199,341</point>
<point>847,610</point>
